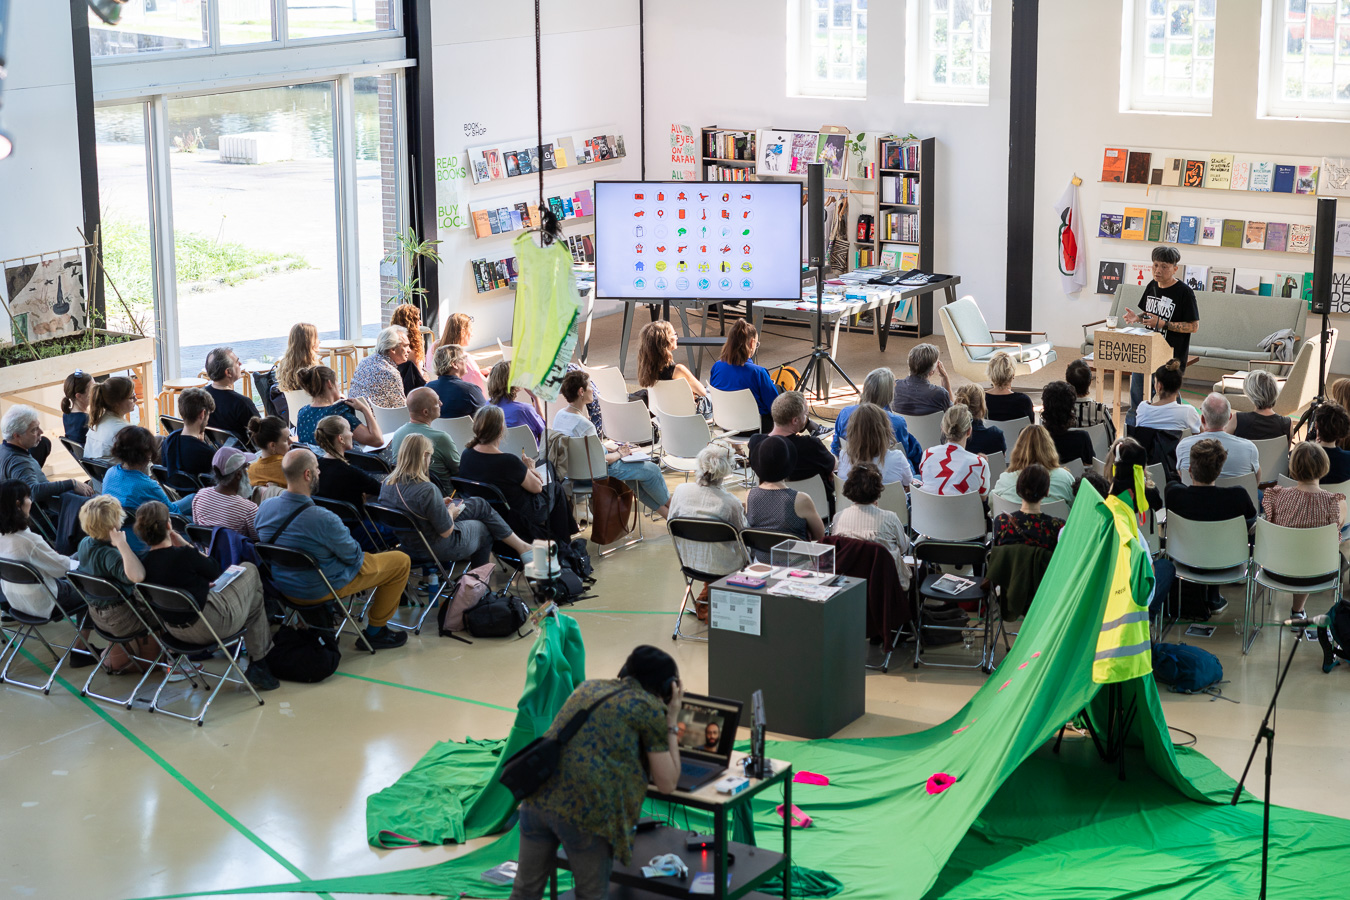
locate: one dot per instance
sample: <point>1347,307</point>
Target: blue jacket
<point>913,452</point>
<point>726,377</point>
<point>319,533</point>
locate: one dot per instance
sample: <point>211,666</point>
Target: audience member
<point>424,407</point>
<point>110,402</point>
<point>409,317</point>
<point>1127,463</point>
<point>813,460</point>
<point>272,437</point>
<point>75,405</point>
<point>1005,404</point>
<point>869,441</point>
<point>515,476</point>
<point>458,397</point>
<point>292,520</point>
<point>1306,504</point>
<point>1166,411</point>
<point>226,503</point>
<point>656,362</point>
<point>459,332</point>
<point>772,505</point>
<point>105,553</point>
<point>455,529</point>
<point>320,382</point>
<point>1035,447</point>
<point>1086,411</point>
<point>186,449</point>
<point>705,498</point>
<point>1339,391</point>
<point>302,352</point>
<point>984,438</point>
<point>130,480</point>
<point>573,421</point>
<point>22,435</point>
<point>233,409</point>
<point>1202,501</point>
<point>1264,423</point>
<point>917,395</point>
<point>1242,456</point>
<point>18,542</point>
<point>734,370</point>
<point>502,394</point>
<point>338,478</point>
<point>173,562</point>
<point>878,388</point>
<point>1029,525</point>
<point>866,521</point>
<point>377,378</point>
<point>950,468</point>
<point>1057,415</point>
<point>1331,424</point>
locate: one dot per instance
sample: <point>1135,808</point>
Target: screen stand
<point>820,353</point>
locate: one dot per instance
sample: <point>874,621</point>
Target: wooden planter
<point>24,382</point>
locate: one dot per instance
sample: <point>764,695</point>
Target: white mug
<point>1112,321</point>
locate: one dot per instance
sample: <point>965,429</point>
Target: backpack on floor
<point>1186,669</point>
<point>947,615</point>
<point>496,614</point>
<point>471,587</point>
<point>574,556</point>
<point>303,654</point>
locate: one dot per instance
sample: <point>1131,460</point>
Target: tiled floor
<point>98,802</point>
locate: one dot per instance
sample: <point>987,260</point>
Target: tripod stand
<point>1321,297</point>
<point>820,352</point>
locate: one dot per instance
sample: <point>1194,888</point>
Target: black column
<point>84,124</point>
<point>1021,162</point>
<point>421,131</point>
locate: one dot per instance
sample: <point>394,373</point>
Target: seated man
<point>458,397</point>
<point>22,454</point>
<point>424,407</point>
<point>814,460</point>
<point>187,450</point>
<point>233,409</point>
<point>292,520</point>
<point>1242,456</point>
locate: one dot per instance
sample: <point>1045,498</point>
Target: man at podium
<point>1168,306</point>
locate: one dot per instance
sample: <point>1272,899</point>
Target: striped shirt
<point>1089,412</point>
<point>212,508</point>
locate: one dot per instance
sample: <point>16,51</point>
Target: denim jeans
<point>1164,573</point>
<point>651,484</point>
<point>589,856</point>
<point>1136,395</point>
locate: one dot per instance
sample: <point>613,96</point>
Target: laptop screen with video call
<point>707,727</point>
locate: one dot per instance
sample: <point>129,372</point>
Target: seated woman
<point>227,503</point>
<point>917,395</point>
<point>105,553</point>
<point>1058,402</point>
<point>515,476</point>
<point>377,379</point>
<point>320,382</point>
<point>502,394</point>
<point>110,402</point>
<point>458,397</point>
<point>131,482</point>
<point>459,332</point>
<point>409,317</point>
<point>870,440</point>
<point>705,498</point>
<point>878,388</point>
<point>340,480</point>
<point>1086,411</point>
<point>772,505</point>
<point>187,449</point>
<point>17,541</point>
<point>1034,447</point>
<point>656,362</point>
<point>572,421</point>
<point>1029,525</point>
<point>984,438</point>
<point>302,352</point>
<point>734,371</point>
<point>75,405</point>
<point>1331,425</point>
<point>272,437</point>
<point>866,521</point>
<point>1127,469</point>
<point>1001,400</point>
<point>1264,423</point>
<point>950,468</point>
<point>1306,504</point>
<point>173,562</point>
<point>1165,411</point>
<point>457,529</point>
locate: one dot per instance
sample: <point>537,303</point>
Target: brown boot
<point>701,604</point>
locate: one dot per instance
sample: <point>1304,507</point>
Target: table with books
<point>850,296</point>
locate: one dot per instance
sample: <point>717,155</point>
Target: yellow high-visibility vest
<point>1123,650</point>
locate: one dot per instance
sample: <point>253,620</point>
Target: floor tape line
<point>421,690</point>
<point>625,612</point>
<point>176,775</point>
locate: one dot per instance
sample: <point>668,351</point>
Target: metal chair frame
<point>1264,577</point>
<point>92,585</point>
<point>275,554</point>
<point>934,552</point>
<point>401,523</point>
<point>497,500</point>
<point>701,531</point>
<point>16,571</point>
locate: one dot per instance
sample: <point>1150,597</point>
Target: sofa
<point>1231,325</point>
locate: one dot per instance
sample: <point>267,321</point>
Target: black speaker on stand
<point>815,253</point>
<point>1321,298</point>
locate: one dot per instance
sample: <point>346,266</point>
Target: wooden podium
<point>1120,353</point>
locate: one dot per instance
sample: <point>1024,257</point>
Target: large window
<point>828,41</point>
<point>125,212</point>
<point>1308,59</point>
<point>1168,55</point>
<point>948,53</point>
<point>379,206</point>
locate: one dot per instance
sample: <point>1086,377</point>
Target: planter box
<point>20,381</point>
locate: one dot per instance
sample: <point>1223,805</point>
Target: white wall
<point>484,73</point>
<point>1078,116</point>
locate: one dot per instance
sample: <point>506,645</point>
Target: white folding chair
<point>1274,455</point>
<point>1207,553</point>
<point>460,429</point>
<point>1075,467</point>
<point>609,382</point>
<point>841,502</point>
<point>895,498</point>
<point>674,396</point>
<point>815,489</point>
<point>1311,555</point>
<point>390,420</point>
<point>682,439</point>
<point>1100,444</point>
<point>1057,508</point>
<point>295,401</point>
<point>998,506</point>
<point>927,430</point>
<point>506,350</point>
<point>956,517</point>
<point>627,421</point>
<point>735,412</point>
<point>520,439</point>
<point>1011,428</point>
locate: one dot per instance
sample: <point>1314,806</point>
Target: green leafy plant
<point>411,254</point>
<point>188,142</point>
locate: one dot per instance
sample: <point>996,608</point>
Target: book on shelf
<point>1284,179</point>
<point>517,220</point>
<point>1307,286</point>
<point>909,260</point>
<point>1110,225</point>
<point>896,154</point>
<point>565,153</point>
<point>1211,231</point>
<point>617,145</point>
<point>1197,277</point>
<point>900,226</point>
<point>494,223</point>
<point>1341,243</point>
<point>1288,284</point>
<point>1300,239</point>
<point>1221,280</point>
<point>1174,168</point>
<point>1219,171</point>
<point>1195,173</point>
<point>523,160</point>
<point>1155,176</point>
<point>1305,182</point>
<point>728,173</point>
<point>494,160</point>
<point>903,189</point>
<point>481,226</point>
<point>1157,223</point>
<point>775,153</point>
<point>1246,281</point>
<point>512,164</point>
<point>1136,167</point>
<point>1173,235</point>
<point>546,157</point>
<point>1262,176</point>
<point>480,170</point>
<point>1232,233</point>
<point>1109,276</point>
<point>1113,164</point>
<point>1242,172</point>
<point>737,145</point>
<point>1136,221</point>
<point>1254,236</point>
<point>890,258</point>
<point>1138,273</point>
<point>803,151</point>
<point>522,210</point>
<point>1277,236</point>
<point>1333,176</point>
<point>1190,230</point>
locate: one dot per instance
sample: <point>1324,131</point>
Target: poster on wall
<point>683,153</point>
<point>450,213</point>
<point>46,298</point>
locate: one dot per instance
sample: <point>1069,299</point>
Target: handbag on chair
<point>613,507</point>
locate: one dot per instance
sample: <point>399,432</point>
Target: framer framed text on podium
<point>1122,353</point>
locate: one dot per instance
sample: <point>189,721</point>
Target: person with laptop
<point>593,800</point>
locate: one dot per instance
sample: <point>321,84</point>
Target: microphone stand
<point>1266,733</point>
<point>820,351</point>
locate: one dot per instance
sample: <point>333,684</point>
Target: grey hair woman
<point>1262,422</point>
<point>377,378</point>
<point>705,498</point>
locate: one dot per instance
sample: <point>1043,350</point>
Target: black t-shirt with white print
<point>1173,304</point>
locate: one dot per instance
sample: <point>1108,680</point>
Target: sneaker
<point>1217,605</point>
<point>384,638</point>
<point>80,660</point>
<point>261,677</point>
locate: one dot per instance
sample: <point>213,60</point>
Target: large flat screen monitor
<point>659,240</point>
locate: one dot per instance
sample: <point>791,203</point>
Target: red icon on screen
<point>660,197</point>
<point>682,249</point>
<point>746,249</point>
<point>639,196</point>
<point>726,248</point>
<point>660,249</point>
<point>638,248</point>
<point>680,196</point>
<point>681,214</point>
<point>725,214</point>
<point>703,196</point>
<point>639,214</point>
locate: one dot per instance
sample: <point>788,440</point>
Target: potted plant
<point>411,254</point>
<point>859,149</point>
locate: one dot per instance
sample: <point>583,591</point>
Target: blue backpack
<point>1186,669</point>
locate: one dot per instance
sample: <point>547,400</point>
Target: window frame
<point>918,60</point>
<point>1271,89</point>
<point>1134,40</point>
<point>800,83</point>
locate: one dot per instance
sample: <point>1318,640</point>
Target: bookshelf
<point>728,154</point>
<point>904,218</point>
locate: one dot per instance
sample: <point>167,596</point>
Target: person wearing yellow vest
<point>1123,646</point>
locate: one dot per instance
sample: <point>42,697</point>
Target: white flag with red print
<point>1070,252</point>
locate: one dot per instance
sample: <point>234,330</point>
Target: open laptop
<point>708,732</point>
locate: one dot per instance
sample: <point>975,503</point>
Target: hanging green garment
<point>543,332</point>
<point>1123,647</point>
